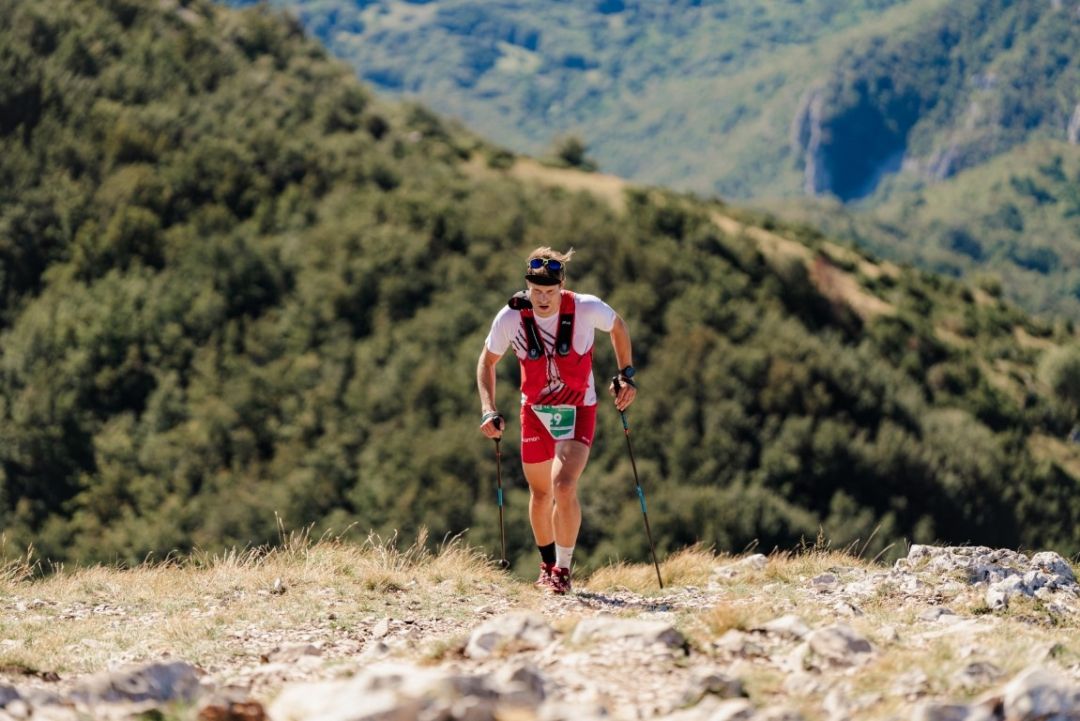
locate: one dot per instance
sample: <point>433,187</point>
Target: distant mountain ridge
<point>790,104</point>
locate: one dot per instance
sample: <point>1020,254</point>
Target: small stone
<point>935,613</point>
<point>977,674</point>
<point>998,595</point>
<point>381,629</point>
<point>802,684</point>
<point>911,684</point>
<point>888,634</point>
<point>740,644</point>
<point>512,631</point>
<point>847,609</point>
<point>824,583</point>
<point>520,685</point>
<point>840,645</point>
<point>293,653</point>
<point>711,684</point>
<point>788,626</point>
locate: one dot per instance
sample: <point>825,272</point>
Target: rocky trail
<point>945,634</point>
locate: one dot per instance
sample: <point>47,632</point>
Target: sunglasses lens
<point>553,265</point>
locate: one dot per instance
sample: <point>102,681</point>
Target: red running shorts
<point>537,443</point>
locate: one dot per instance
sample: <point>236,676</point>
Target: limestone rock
<point>156,682</point>
<point>977,675</point>
<point>998,594</point>
<point>710,683</point>
<point>8,694</point>
<point>1037,694</point>
<point>608,628</point>
<point>840,645</point>
<point>389,692</point>
<point>937,613</point>
<point>788,626</point>
<point>1054,565</point>
<point>513,631</point>
<point>756,562</point>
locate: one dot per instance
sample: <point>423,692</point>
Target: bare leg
<point>541,501</point>
<point>570,460</point>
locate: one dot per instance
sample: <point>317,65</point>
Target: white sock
<point>563,555</point>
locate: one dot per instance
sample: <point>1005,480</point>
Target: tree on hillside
<point>571,151</point>
<point>1060,369</point>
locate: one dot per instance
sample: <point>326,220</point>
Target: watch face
<point>628,371</point>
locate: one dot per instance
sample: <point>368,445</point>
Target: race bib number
<point>559,420</point>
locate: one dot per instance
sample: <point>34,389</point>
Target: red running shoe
<point>546,572</point>
<point>560,581</point>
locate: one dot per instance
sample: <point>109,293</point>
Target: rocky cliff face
<point>945,634</point>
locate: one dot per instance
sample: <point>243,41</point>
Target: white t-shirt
<point>590,314</point>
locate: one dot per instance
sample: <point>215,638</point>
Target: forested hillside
<point>877,103</point>
<point>240,290</point>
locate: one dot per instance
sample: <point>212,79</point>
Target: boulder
<point>157,682</point>
<point>1039,693</point>
<point>840,645</point>
<point>510,632</point>
<point>642,632</point>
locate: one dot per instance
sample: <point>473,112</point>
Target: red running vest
<point>553,379</point>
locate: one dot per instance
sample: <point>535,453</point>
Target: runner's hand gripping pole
<point>637,484</point>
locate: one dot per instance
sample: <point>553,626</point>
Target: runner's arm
<point>624,356</point>
<point>485,383</point>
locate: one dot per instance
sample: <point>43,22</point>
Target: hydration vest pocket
<point>559,420</point>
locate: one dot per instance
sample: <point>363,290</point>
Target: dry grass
<point>724,617</point>
<point>209,608</point>
<point>688,567</point>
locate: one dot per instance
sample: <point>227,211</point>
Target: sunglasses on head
<point>550,263</point>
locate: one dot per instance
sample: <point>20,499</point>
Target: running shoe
<point>560,581</point>
<point>546,572</point>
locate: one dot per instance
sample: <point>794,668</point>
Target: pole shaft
<point>641,498</point>
<point>498,481</point>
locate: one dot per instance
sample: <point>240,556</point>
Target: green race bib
<point>559,420</point>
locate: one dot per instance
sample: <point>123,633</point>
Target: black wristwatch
<point>628,373</point>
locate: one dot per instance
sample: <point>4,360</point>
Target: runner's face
<point>545,298</point>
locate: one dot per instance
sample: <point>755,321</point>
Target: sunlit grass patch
<point>690,566</point>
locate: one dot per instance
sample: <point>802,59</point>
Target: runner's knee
<point>565,485</point>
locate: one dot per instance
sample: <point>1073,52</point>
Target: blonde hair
<point>546,252</point>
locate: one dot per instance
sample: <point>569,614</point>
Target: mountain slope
<point>877,102</point>
<point>241,292</point>
<point>1014,217</point>
<point>690,95</point>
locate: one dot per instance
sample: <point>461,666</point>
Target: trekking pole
<point>637,484</point>
<point>503,563</point>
